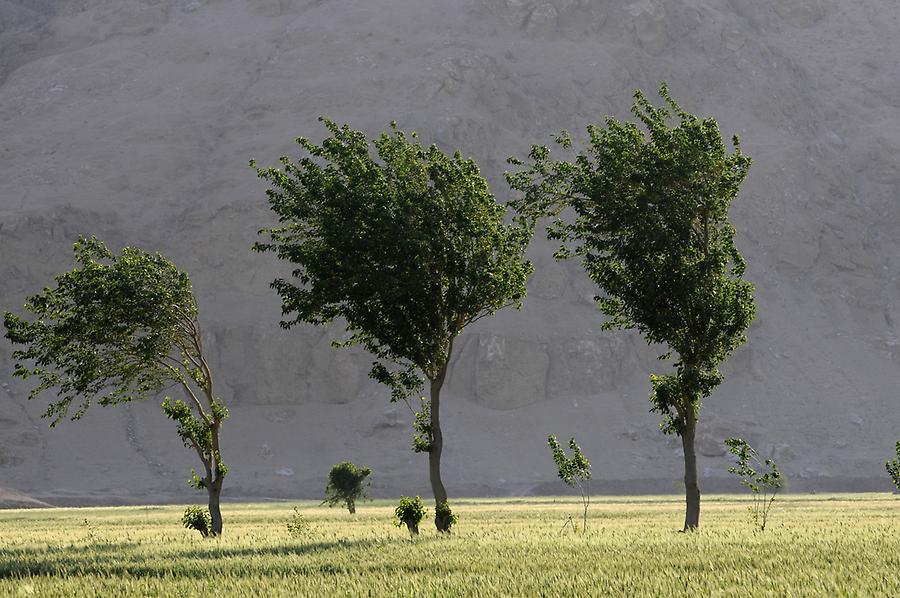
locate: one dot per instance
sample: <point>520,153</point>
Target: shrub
<point>764,486</point>
<point>410,511</point>
<point>197,518</point>
<point>893,467</point>
<point>575,472</point>
<point>445,517</point>
<point>297,525</point>
<point>347,484</point>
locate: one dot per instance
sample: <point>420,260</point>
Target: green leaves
<point>764,485</point>
<point>198,432</point>
<point>347,484</point>
<point>445,515</point>
<point>197,518</point>
<point>403,242</point>
<point>573,470</point>
<point>893,467</point>
<point>645,207</point>
<point>423,433</point>
<point>747,457</point>
<point>119,328</point>
<point>114,329</point>
<point>410,511</point>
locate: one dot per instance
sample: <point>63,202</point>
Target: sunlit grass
<point>839,545</point>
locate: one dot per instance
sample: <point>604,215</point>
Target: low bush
<point>410,511</point>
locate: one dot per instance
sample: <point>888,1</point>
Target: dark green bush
<point>410,511</point>
<point>445,517</point>
<point>346,484</point>
<point>197,518</point>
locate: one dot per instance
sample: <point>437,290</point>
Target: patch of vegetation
<point>410,511</point>
<point>406,246</point>
<point>446,515</point>
<point>761,477</point>
<point>893,467</point>
<point>826,545</point>
<point>346,484</point>
<point>197,518</point>
<point>297,525</point>
<point>575,472</point>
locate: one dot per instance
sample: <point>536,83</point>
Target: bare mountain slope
<point>135,119</point>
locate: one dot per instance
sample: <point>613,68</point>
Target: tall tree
<point>120,328</point>
<point>646,210</point>
<point>407,246</point>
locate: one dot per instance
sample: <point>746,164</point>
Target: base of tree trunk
<point>412,527</point>
<point>442,523</point>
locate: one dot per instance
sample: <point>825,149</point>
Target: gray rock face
<point>134,120</point>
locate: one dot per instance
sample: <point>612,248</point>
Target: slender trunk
<point>216,479</point>
<point>412,526</point>
<point>691,486</point>
<point>586,501</point>
<point>215,513</point>
<point>437,445</point>
<point>351,506</point>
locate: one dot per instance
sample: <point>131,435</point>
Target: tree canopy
<point>407,246</point>
<point>646,211</point>
<point>346,484</point>
<point>403,243</point>
<point>114,329</point>
<point>119,328</point>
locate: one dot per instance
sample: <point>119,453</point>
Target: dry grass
<point>843,545</point>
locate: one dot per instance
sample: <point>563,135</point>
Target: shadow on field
<point>99,559</point>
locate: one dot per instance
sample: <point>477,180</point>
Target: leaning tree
<point>119,328</point>
<point>646,210</point>
<point>407,246</point>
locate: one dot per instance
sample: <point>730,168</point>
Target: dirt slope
<point>135,119</point>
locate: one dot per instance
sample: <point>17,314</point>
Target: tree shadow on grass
<point>83,560</point>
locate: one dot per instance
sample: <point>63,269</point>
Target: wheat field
<point>816,545</point>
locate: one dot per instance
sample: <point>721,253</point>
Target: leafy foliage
<point>646,211</point>
<point>198,432</point>
<point>198,518</point>
<point>763,485</point>
<point>112,330</point>
<point>407,246</point>
<point>423,434</point>
<point>648,215</point>
<point>893,467</point>
<point>448,518</point>
<point>575,472</point>
<point>410,511</point>
<point>347,484</point>
<point>297,525</point>
<point>119,328</point>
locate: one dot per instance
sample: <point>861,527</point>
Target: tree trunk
<point>215,513</point>
<point>691,485</point>
<point>412,526</point>
<point>437,445</point>
<point>351,506</point>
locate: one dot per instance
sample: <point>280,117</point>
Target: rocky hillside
<point>135,119</point>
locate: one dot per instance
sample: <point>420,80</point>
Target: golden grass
<point>836,545</point>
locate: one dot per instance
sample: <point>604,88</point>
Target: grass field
<point>838,545</point>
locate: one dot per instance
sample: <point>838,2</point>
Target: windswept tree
<point>407,246</point>
<point>346,484</point>
<point>575,472</point>
<point>120,328</point>
<point>646,211</point>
